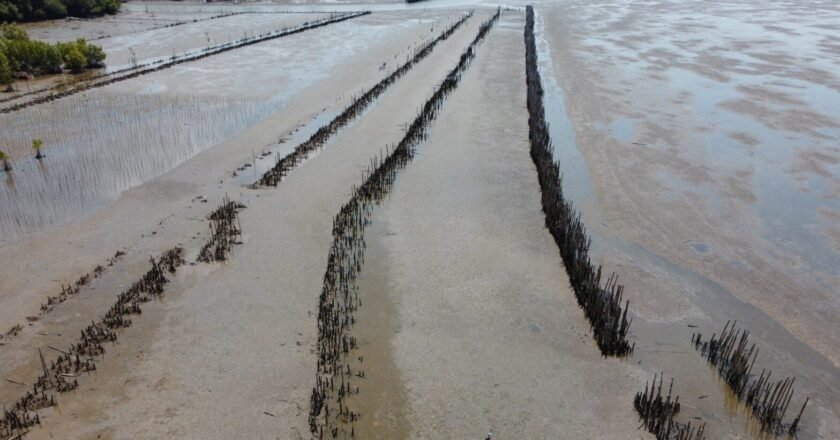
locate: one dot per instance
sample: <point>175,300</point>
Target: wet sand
<point>117,137</point>
<point>489,334</point>
<point>694,159</point>
<point>246,318</point>
<point>122,23</point>
<point>708,139</point>
<point>166,210</point>
<point>157,44</point>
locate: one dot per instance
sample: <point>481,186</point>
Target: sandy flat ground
<point>245,318</point>
<point>163,212</point>
<point>489,335</point>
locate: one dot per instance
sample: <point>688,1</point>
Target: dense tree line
<point>20,55</point>
<point>32,10</point>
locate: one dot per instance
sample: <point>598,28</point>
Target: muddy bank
<point>494,339</point>
<point>122,23</point>
<point>301,152</point>
<point>143,47</point>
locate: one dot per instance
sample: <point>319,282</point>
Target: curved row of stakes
<point>283,166</point>
<point>329,414</point>
<point>602,304</point>
<point>60,375</point>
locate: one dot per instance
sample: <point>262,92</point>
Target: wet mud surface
<point>698,143</point>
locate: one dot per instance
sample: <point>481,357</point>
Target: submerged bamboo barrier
<point>61,374</point>
<point>225,231</point>
<point>657,414</point>
<point>734,359</point>
<point>602,303</point>
<point>329,413</point>
<point>283,166</point>
<point>133,72</point>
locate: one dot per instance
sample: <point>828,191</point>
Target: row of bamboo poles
<point>734,357</point>
<point>657,414</point>
<point>329,414</point>
<point>729,352</point>
<point>169,25</point>
<point>73,289</point>
<point>225,231</point>
<point>602,303</point>
<point>61,374</point>
<point>283,166</point>
<point>135,71</point>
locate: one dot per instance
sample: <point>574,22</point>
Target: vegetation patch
<point>23,58</point>
<point>34,10</point>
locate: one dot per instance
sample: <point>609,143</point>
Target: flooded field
<point>410,270</point>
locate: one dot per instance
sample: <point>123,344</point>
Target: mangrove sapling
<point>37,143</point>
<point>5,159</point>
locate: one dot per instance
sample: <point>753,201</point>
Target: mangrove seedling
<point>5,159</point>
<point>37,143</point>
